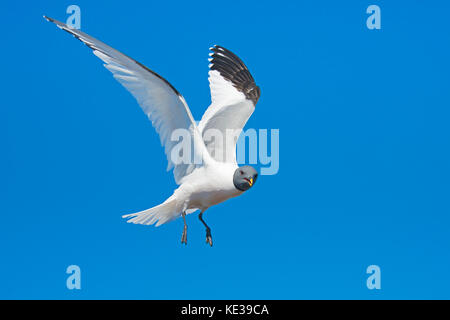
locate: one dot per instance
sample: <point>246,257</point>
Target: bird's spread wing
<point>163,104</point>
<point>233,98</point>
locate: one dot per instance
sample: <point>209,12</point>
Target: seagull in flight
<point>217,177</point>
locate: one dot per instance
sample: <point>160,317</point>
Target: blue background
<point>364,152</point>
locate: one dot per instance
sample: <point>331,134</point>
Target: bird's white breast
<point>207,186</point>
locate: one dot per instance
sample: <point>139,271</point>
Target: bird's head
<point>244,178</point>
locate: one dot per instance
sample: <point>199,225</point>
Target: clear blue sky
<point>364,152</point>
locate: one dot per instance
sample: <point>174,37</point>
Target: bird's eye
<point>241,172</point>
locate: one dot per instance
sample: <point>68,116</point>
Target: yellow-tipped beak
<point>251,182</point>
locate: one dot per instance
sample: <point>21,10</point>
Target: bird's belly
<point>206,199</point>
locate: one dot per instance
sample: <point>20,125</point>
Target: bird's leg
<point>208,229</point>
<point>184,236</point>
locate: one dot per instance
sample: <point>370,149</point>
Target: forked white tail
<point>160,214</point>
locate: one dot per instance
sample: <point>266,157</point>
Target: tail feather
<point>160,214</point>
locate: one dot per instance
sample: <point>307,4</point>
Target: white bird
<point>233,98</point>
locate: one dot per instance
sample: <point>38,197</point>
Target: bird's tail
<point>160,214</point>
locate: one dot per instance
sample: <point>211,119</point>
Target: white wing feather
<point>233,98</point>
<point>164,106</point>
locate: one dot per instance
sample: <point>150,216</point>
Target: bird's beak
<point>250,182</point>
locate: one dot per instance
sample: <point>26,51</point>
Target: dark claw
<point>208,230</point>
<point>184,236</point>
<point>208,237</point>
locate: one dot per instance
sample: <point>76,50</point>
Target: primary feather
<point>233,98</point>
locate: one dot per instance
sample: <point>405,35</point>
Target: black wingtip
<point>48,18</point>
<point>233,69</point>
